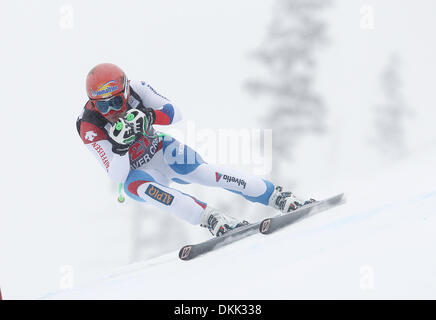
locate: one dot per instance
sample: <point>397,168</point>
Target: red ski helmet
<point>107,87</point>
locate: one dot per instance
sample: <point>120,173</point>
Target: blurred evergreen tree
<point>390,116</point>
<point>288,54</point>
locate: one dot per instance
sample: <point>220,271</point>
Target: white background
<point>57,205</point>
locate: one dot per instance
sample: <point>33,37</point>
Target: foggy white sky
<point>194,52</point>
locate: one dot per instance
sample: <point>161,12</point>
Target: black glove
<point>141,120</point>
<point>121,135</point>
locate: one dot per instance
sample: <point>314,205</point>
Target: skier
<point>116,125</point>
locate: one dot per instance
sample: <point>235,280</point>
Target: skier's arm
<point>165,112</point>
<point>112,159</point>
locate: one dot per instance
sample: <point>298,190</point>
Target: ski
<point>189,252</point>
<point>265,226</point>
<point>273,224</point>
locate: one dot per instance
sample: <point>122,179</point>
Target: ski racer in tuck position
<point>116,125</point>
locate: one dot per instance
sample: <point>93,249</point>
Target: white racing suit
<point>153,164</point>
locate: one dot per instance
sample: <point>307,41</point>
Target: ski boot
<point>286,201</point>
<point>219,223</point>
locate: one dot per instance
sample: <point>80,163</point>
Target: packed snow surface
<point>379,244</point>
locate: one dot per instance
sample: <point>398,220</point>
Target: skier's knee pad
<point>179,157</point>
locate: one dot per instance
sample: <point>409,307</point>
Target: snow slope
<point>380,244</point>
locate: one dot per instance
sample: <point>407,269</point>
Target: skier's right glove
<point>141,121</point>
<point>121,135</point>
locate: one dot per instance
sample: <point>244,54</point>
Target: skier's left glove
<point>140,121</point>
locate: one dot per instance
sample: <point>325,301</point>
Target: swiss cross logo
<point>90,135</point>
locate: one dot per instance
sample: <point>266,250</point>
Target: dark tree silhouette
<point>391,115</point>
<point>288,54</point>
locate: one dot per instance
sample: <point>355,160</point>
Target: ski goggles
<point>113,103</point>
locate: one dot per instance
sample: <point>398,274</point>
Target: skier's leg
<point>151,184</point>
<point>142,185</point>
<point>251,187</point>
<point>184,165</point>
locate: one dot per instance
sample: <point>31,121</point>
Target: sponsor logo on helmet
<point>230,179</point>
<point>106,89</point>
